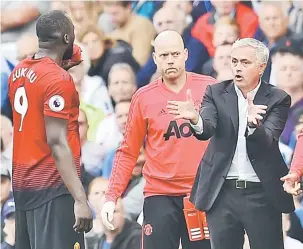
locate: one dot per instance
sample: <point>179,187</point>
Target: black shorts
<point>49,226</point>
<point>164,225</point>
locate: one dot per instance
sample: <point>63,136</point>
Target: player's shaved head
<point>170,55</point>
<point>168,38</point>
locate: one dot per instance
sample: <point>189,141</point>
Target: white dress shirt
<point>241,167</point>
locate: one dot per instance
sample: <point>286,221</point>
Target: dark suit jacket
<point>220,117</point>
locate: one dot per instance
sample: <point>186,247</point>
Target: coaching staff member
<point>238,181</point>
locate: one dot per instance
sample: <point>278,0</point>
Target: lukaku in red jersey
<point>46,152</point>
<point>172,152</point>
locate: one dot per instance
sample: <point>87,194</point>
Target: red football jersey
<point>172,152</point>
<point>39,87</point>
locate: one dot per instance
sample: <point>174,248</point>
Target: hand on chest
<point>237,108</point>
<point>161,123</point>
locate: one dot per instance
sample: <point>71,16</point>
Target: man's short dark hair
<point>53,26</point>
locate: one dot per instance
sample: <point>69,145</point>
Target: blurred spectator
<point>134,29</point>
<point>6,142</point>
<point>27,46</point>
<point>287,64</point>
<point>173,18</point>
<point>121,82</point>
<point>219,67</point>
<point>226,29</point>
<point>193,9</point>
<point>83,128</point>
<point>103,52</point>
<point>121,110</point>
<point>185,6</point>
<point>82,13</point>
<point>296,17</point>
<point>256,5</point>
<point>127,234</point>
<point>133,197</point>
<point>96,192</point>
<point>244,16</point>
<point>93,93</point>
<point>18,18</point>
<point>273,21</point>
<point>96,103</point>
<point>8,215</point>
<point>226,32</point>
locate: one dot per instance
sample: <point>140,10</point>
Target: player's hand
<point>84,217</point>
<point>254,111</point>
<point>291,184</point>
<point>107,214</point>
<point>68,64</point>
<point>75,60</point>
<point>184,109</point>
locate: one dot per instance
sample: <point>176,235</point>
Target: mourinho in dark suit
<point>238,182</point>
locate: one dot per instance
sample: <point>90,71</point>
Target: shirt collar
<point>254,91</point>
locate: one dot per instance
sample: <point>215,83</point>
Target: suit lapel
<point>231,104</point>
<point>231,101</point>
<point>261,96</point>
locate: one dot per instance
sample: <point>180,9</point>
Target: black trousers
<point>49,226</point>
<point>164,225</point>
<point>237,211</point>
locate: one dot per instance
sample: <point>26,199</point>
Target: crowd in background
<point>116,38</point>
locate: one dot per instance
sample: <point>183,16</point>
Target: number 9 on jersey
<point>21,104</point>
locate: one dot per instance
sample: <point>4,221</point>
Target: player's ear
<point>66,39</point>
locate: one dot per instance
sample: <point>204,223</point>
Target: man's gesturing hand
<point>291,184</point>
<point>254,111</point>
<point>184,109</point>
<point>84,217</point>
<point>107,214</point>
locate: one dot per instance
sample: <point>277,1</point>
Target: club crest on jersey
<point>77,245</point>
<point>148,229</point>
<point>56,103</point>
